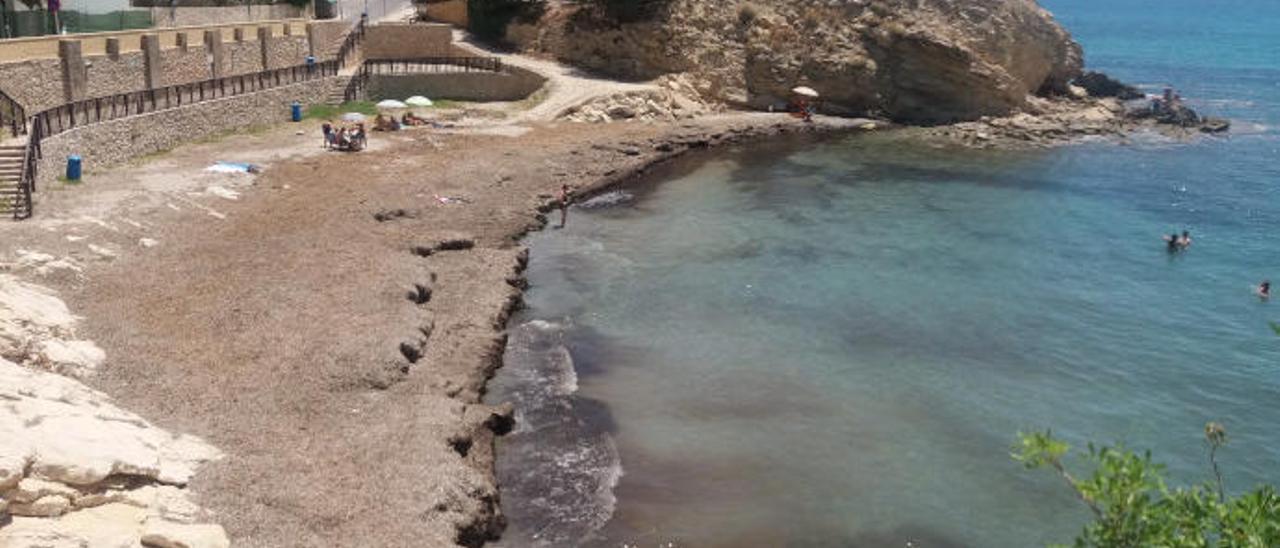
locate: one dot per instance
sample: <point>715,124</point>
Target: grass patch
<point>72,182</point>
<point>327,112</point>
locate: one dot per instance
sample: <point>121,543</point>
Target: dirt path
<point>567,87</point>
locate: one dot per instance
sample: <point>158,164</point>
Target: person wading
<point>564,204</point>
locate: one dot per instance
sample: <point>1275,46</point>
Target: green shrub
<point>488,19</point>
<point>1133,507</point>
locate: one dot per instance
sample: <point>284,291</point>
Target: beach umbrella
<point>418,101</point>
<point>805,91</point>
<point>353,117</point>
<point>391,104</point>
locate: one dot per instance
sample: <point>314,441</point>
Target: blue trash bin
<point>73,167</point>
<point>297,111</point>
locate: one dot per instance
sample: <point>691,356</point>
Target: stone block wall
<point>36,84</point>
<point>109,75</point>
<point>287,51</point>
<point>405,41</point>
<point>242,57</point>
<point>112,143</point>
<point>120,62</point>
<point>513,84</point>
<point>453,12</point>
<point>184,65</point>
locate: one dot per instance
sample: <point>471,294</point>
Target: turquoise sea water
<point>833,343</point>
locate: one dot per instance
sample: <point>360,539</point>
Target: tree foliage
<point>488,19</point>
<point>1134,507</point>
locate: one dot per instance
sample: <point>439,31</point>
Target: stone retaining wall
<point>453,12</point>
<point>109,75</point>
<point>111,63</point>
<point>180,66</point>
<point>112,143</point>
<point>36,84</point>
<point>513,84</point>
<point>287,51</point>
<point>407,41</point>
<point>193,16</point>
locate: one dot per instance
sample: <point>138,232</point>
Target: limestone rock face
<point>920,61</point>
<point>75,470</point>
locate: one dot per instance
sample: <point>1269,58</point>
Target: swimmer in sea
<point>1185,241</point>
<point>1264,290</point>
<point>1173,240</point>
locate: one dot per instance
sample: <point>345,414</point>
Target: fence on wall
<point>103,109</point>
<point>359,83</point>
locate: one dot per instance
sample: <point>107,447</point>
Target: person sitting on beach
<point>381,124</point>
<point>343,140</point>
<point>359,138</point>
<point>1264,290</point>
<point>411,119</point>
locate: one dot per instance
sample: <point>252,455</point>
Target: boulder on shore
<point>1098,84</point>
<point>928,62</point>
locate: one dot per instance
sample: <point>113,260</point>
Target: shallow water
<point>833,343</point>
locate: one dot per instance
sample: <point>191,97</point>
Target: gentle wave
<point>560,465</point>
<point>608,199</point>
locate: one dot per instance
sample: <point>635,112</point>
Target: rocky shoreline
<point>1057,122</point>
<point>331,340</point>
<point>379,410</point>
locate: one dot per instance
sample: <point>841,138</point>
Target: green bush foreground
<point>1133,506</point>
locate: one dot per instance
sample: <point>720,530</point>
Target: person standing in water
<point>1185,241</point>
<point>1264,290</point>
<point>564,204</point>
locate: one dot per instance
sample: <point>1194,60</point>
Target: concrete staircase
<point>337,94</point>
<point>13,202</point>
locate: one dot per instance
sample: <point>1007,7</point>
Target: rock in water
<point>1101,85</point>
<point>919,61</point>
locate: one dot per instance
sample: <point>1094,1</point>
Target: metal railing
<point>359,82</point>
<point>12,115</point>
<point>432,65</point>
<point>114,107</point>
<point>27,182</point>
<point>351,43</point>
<point>103,109</point>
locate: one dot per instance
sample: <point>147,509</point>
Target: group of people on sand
<point>344,138</point>
<point>1180,242</point>
<point>390,123</point>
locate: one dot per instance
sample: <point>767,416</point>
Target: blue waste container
<point>297,111</point>
<point>73,167</point>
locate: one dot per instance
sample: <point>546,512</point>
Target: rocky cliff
<point>916,61</point>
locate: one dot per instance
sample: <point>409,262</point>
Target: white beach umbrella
<point>418,101</point>
<point>353,117</point>
<point>805,91</point>
<point>391,104</point>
